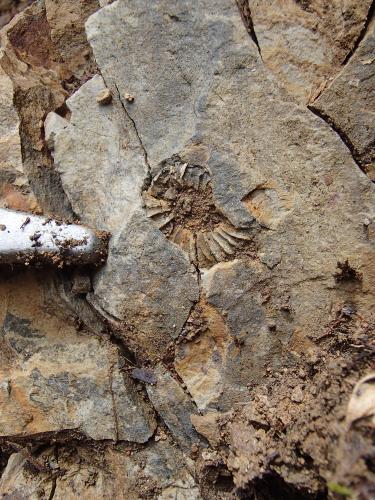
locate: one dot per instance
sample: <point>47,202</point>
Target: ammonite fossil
<point>180,202</point>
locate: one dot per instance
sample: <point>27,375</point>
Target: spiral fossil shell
<point>180,202</point>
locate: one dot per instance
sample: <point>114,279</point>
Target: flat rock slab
<point>349,102</point>
<point>175,407</point>
<point>147,282</point>
<point>53,379</point>
<point>98,157</point>
<point>304,43</point>
<point>203,97</point>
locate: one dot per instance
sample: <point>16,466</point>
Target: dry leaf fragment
<point>362,401</point>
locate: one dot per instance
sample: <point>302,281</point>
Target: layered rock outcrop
<point>209,139</point>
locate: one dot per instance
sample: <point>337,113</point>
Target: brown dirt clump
<point>292,440</point>
<point>9,8</point>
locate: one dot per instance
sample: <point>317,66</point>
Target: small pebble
<point>347,310</point>
<point>297,395</point>
<point>145,375</point>
<point>104,97</point>
<point>129,97</point>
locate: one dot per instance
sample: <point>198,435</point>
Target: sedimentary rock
<point>174,406</point>
<point>160,471</point>
<point>103,190</point>
<point>240,269</point>
<point>44,67</point>
<point>235,343</point>
<point>348,102</point>
<point>142,270</point>
<point>305,43</point>
<point>267,175</point>
<point>14,187</point>
<point>55,380</point>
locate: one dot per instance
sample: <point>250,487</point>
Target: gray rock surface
<point>237,344</point>
<point>99,159</point>
<point>175,407</point>
<point>304,43</point>
<point>281,171</point>
<point>147,282</point>
<point>349,102</point>
<point>54,379</point>
<point>242,241</point>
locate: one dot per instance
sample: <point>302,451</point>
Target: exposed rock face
<point>349,102</point>
<point>53,379</point>
<point>103,190</point>
<point>43,72</point>
<point>130,289</point>
<point>14,189</point>
<point>236,343</point>
<point>305,42</point>
<point>174,406</point>
<point>160,471</point>
<point>255,166</point>
<point>220,341</point>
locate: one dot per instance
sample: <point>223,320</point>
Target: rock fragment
<point>54,379</point>
<point>149,285</point>
<point>297,394</point>
<point>348,103</point>
<point>104,97</point>
<point>270,176</point>
<point>81,282</point>
<point>103,190</point>
<point>15,191</point>
<point>43,69</point>
<point>145,375</point>
<point>120,473</point>
<point>209,426</point>
<point>174,407</point>
<point>305,43</point>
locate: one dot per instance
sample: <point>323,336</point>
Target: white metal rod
<point>27,238</point>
